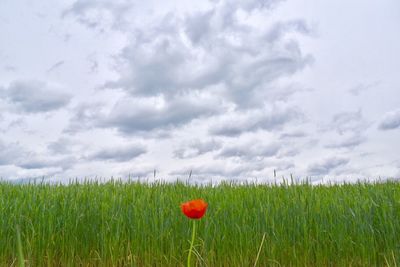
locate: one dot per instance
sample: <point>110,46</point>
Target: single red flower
<point>194,209</point>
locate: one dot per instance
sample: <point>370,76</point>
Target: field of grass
<point>133,224</point>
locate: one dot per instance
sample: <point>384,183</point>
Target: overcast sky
<point>223,89</point>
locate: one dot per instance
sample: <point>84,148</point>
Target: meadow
<point>138,224</point>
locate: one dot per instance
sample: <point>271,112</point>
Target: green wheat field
<point>138,224</point>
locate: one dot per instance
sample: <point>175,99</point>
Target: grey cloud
<point>56,66</point>
<point>247,5</point>
<point>285,152</point>
<point>390,120</point>
<point>284,93</point>
<point>218,169</point>
<point>141,174</point>
<point>119,154</point>
<point>13,124</point>
<point>198,25</point>
<point>362,87</point>
<point>348,142</point>
<point>9,153</point>
<point>197,148</point>
<point>15,154</point>
<point>61,146</point>
<point>255,150</point>
<point>176,58</point>
<point>294,143</point>
<point>163,64</point>
<point>10,68</point>
<point>293,134</point>
<point>233,171</point>
<point>279,165</point>
<point>280,29</point>
<point>95,13</point>
<point>327,165</point>
<point>348,122</point>
<point>131,116</point>
<point>246,87</point>
<point>34,161</point>
<point>35,164</point>
<point>35,96</point>
<point>94,65</point>
<point>84,117</point>
<point>253,120</point>
<point>38,179</point>
<point>159,60</point>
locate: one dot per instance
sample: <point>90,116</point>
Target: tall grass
<point>135,224</point>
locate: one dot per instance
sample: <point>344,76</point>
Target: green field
<point>134,224</point>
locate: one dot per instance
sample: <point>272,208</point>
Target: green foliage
<point>134,224</point>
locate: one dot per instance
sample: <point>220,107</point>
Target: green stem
<point>191,243</point>
<point>21,261</point>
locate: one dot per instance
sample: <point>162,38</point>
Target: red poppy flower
<point>194,209</point>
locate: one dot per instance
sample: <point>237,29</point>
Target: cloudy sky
<point>225,89</point>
